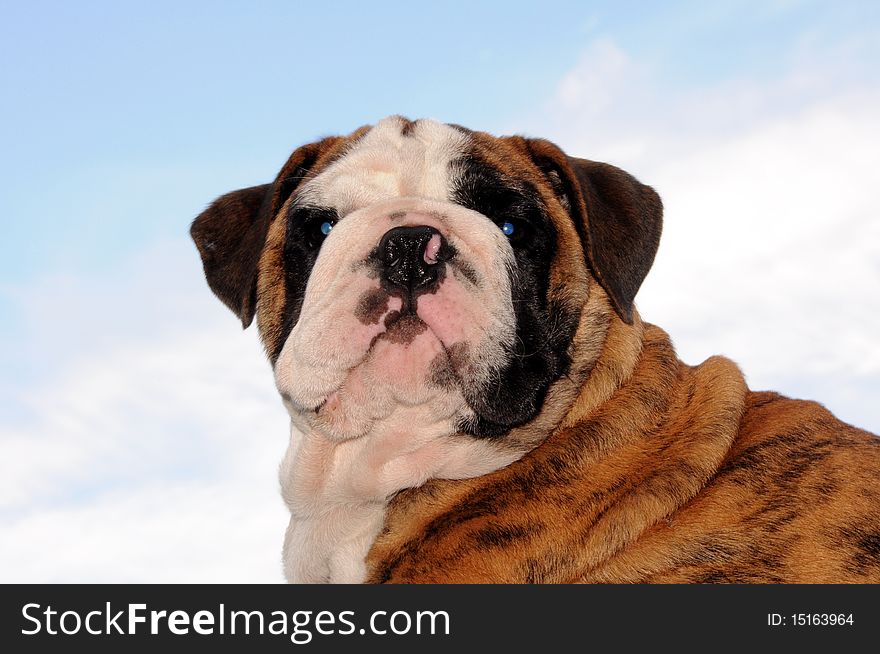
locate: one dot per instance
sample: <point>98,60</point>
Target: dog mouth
<point>329,404</point>
<point>402,328</point>
<point>412,354</point>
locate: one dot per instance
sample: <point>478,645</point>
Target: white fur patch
<point>384,164</point>
<point>372,413</point>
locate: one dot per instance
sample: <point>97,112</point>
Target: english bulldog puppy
<point>473,396</point>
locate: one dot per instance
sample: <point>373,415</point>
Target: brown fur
<point>663,473</point>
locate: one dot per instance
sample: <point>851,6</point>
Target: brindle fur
<point>681,475</point>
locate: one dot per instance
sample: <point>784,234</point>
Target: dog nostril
<point>391,253</point>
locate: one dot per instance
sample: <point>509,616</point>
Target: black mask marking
<point>544,331</point>
<point>301,247</point>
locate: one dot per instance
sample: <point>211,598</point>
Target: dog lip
<point>401,327</point>
<point>329,404</point>
<point>301,408</point>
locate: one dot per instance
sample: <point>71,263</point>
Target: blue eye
<point>508,229</point>
<point>312,224</point>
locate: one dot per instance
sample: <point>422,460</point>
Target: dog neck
<point>613,368</point>
<point>337,490</point>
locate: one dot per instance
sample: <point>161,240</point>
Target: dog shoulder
<point>812,481</point>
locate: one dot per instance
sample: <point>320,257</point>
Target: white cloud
<point>148,451</point>
<point>771,245</point>
<point>202,531</point>
<point>593,84</point>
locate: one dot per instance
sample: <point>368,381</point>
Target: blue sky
<point>127,387</point>
<point>123,117</point>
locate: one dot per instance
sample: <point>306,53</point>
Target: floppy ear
<point>231,233</point>
<point>619,220</point>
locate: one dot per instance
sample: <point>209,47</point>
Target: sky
<point>140,431</point>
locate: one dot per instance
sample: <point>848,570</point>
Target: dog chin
<point>406,367</point>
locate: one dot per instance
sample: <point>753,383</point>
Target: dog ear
<point>619,220</point>
<point>230,234</point>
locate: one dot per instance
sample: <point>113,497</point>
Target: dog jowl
<point>450,320</point>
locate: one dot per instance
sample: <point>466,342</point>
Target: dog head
<point>424,264</point>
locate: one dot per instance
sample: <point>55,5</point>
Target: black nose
<point>412,258</point>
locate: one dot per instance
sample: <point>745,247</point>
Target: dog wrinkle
<point>624,507</point>
<point>330,483</point>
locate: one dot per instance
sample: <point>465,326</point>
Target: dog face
<point>423,264</point>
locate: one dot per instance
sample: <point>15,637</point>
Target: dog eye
<point>318,229</point>
<point>514,229</point>
<point>316,223</point>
